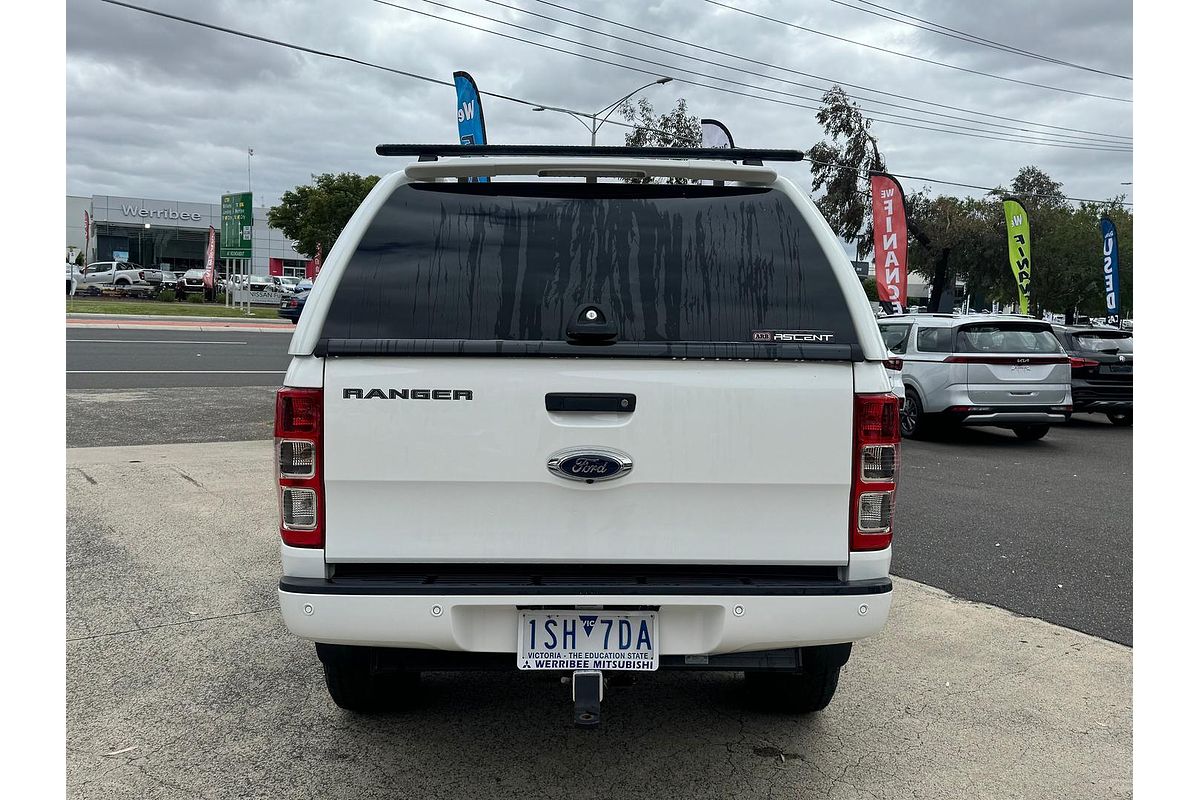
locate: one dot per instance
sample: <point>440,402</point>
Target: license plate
<point>1121,368</point>
<point>604,640</point>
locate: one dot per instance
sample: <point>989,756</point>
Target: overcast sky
<point>161,109</point>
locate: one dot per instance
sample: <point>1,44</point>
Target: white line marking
<point>176,372</point>
<point>149,341</point>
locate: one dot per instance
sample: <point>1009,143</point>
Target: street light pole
<point>595,122</point>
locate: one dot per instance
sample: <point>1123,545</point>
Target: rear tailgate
<point>1013,363</point>
<point>731,462</point>
<point>1106,363</point>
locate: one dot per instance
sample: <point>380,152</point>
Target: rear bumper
<point>1095,397</point>
<point>1005,415</point>
<point>1013,418</point>
<point>693,619</point>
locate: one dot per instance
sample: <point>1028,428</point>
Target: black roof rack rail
<point>430,152</point>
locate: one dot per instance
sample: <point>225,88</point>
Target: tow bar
<point>587,690</point>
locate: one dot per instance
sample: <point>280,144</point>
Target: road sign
<point>237,221</point>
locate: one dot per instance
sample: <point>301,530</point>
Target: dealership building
<point>171,235</point>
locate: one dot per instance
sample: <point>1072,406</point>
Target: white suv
<point>586,427</point>
<point>1003,371</point>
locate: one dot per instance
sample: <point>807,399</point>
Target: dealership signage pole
<point>1112,281</point>
<point>1020,252</point>
<point>891,242</point>
<point>237,226</point>
<point>471,129</point>
<point>210,259</point>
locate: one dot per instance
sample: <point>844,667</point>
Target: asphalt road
<point>1041,528</point>
<point>99,358</point>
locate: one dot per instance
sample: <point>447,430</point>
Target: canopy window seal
<point>703,351</point>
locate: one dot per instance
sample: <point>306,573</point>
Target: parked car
<point>594,460</point>
<point>123,275</point>
<point>1004,371</point>
<point>289,282</point>
<point>304,285</point>
<point>1101,370</point>
<point>291,306</point>
<point>193,280</point>
<point>169,279</point>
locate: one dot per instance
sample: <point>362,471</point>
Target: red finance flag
<point>891,242</point>
<point>210,259</point>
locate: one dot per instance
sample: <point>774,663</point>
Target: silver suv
<point>1006,371</point>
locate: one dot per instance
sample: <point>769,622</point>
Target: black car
<point>291,305</point>
<point>1101,370</point>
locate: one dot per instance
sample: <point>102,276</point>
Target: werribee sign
<point>236,225</point>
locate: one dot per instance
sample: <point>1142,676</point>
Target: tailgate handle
<point>594,401</point>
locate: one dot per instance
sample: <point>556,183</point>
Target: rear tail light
<point>1081,363</point>
<point>896,364</point>
<point>298,427</point>
<point>876,470</point>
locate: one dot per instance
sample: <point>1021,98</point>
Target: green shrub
<point>166,296</point>
<point>195,297</point>
<point>220,298</point>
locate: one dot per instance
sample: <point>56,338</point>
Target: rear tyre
<point>1029,433</point>
<point>357,683</point>
<point>914,422</point>
<point>1123,420</point>
<point>804,692</point>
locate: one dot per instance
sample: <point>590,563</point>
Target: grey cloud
<point>157,108</point>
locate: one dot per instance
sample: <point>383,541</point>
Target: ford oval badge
<point>589,464</point>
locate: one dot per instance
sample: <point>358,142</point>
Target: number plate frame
<point>590,629</point>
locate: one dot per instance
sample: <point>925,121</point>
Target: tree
<point>1037,188</point>
<point>841,167</point>
<point>871,288</point>
<point>1067,273</point>
<point>674,129</point>
<point>314,214</point>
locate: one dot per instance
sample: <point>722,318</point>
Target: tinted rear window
<point>1103,342</point>
<point>894,337</point>
<point>507,264</point>
<point>1006,338</point>
<point>933,340</point>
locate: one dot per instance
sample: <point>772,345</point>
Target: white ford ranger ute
<point>558,422</point>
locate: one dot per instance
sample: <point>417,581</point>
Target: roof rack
<point>431,152</point>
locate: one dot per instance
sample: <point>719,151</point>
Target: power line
<point>972,38</point>
<point>988,189</point>
<point>804,74</point>
<point>427,79</point>
<point>977,133</point>
<point>916,58</point>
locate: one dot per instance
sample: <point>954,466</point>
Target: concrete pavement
<point>181,681</point>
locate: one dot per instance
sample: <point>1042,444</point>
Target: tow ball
<point>587,690</point>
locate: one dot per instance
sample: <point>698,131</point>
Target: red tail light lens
<point>298,467</point>
<point>876,470</point>
<point>1082,363</point>
<point>896,364</point>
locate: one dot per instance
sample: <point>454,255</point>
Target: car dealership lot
<point>183,682</point>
